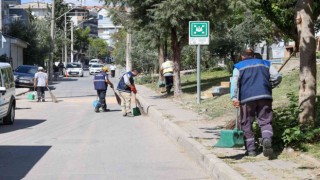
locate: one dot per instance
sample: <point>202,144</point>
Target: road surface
<point>68,140</point>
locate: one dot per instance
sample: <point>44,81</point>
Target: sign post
<point>199,35</point>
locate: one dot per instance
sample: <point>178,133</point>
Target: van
<point>7,94</point>
<point>94,61</point>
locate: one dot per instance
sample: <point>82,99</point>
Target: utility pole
<point>128,48</point>
<point>65,40</point>
<point>128,53</point>
<point>71,53</point>
<point>51,42</point>
<point>1,16</point>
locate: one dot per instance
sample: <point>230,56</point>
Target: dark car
<point>24,75</point>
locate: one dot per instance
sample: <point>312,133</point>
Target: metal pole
<point>71,53</point>
<point>198,76</point>
<point>1,16</point>
<point>65,39</point>
<point>51,43</point>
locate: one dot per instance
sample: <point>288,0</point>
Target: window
<point>1,84</point>
<point>100,17</point>
<point>5,77</point>
<point>27,69</point>
<point>10,77</point>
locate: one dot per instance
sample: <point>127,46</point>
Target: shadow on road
<point>66,79</point>
<point>17,161</point>
<point>20,124</point>
<point>18,108</point>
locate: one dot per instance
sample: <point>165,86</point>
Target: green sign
<point>199,32</point>
<point>199,29</point>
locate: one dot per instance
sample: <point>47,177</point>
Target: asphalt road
<point>68,140</point>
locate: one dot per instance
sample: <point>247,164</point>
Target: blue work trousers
<point>262,110</point>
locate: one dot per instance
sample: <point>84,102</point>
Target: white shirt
<point>113,67</point>
<point>41,79</point>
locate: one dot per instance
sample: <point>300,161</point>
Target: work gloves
<point>134,90</point>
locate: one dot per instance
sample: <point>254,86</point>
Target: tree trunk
<point>160,54</point>
<point>308,70</point>
<point>176,56</point>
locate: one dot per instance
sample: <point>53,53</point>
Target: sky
<point>77,2</point>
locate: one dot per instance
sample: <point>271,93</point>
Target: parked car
<point>95,68</point>
<point>7,97</point>
<point>74,69</point>
<point>94,61</point>
<point>24,75</point>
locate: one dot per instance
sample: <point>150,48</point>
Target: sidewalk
<point>197,135</point>
<point>21,91</point>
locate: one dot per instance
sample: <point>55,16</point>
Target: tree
<point>81,39</point>
<point>172,17</point>
<point>98,48</point>
<point>36,33</point>
<point>119,47</point>
<point>308,67</point>
<point>297,19</point>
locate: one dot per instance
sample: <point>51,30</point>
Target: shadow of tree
<point>191,86</point>
<point>20,124</point>
<point>17,161</point>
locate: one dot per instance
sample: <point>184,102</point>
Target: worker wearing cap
<point>125,87</point>
<point>101,82</point>
<point>40,83</point>
<point>166,71</point>
<point>251,91</point>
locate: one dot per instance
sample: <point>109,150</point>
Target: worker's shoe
<point>267,147</point>
<point>96,110</point>
<point>124,115</point>
<point>251,153</point>
<point>43,100</point>
<point>130,114</point>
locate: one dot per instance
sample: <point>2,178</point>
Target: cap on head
<point>105,69</point>
<point>40,68</point>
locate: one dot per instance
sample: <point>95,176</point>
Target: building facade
<point>11,50</point>
<point>106,28</point>
<point>38,9</point>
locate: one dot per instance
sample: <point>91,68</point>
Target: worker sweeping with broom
<point>251,92</point>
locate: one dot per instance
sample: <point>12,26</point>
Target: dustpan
<point>231,138</point>
<point>136,110</point>
<point>31,95</point>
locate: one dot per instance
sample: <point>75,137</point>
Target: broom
<point>54,99</point>
<point>117,97</point>
<point>140,107</point>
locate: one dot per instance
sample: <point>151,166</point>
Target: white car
<point>94,61</point>
<point>95,68</point>
<point>7,97</point>
<point>74,69</point>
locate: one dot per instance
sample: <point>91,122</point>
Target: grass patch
<point>314,149</point>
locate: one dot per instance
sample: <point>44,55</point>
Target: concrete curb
<point>21,91</point>
<point>207,160</point>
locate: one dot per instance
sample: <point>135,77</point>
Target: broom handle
<point>237,113</point>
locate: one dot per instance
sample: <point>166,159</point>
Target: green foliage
<point>318,55</point>
<point>119,47</point>
<point>146,79</point>
<point>282,14</point>
<point>36,34</point>
<point>98,48</point>
<point>59,10</point>
<point>287,130</point>
<point>81,39</point>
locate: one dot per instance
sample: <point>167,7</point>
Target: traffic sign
<point>199,32</point>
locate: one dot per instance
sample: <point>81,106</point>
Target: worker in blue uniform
<point>101,82</point>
